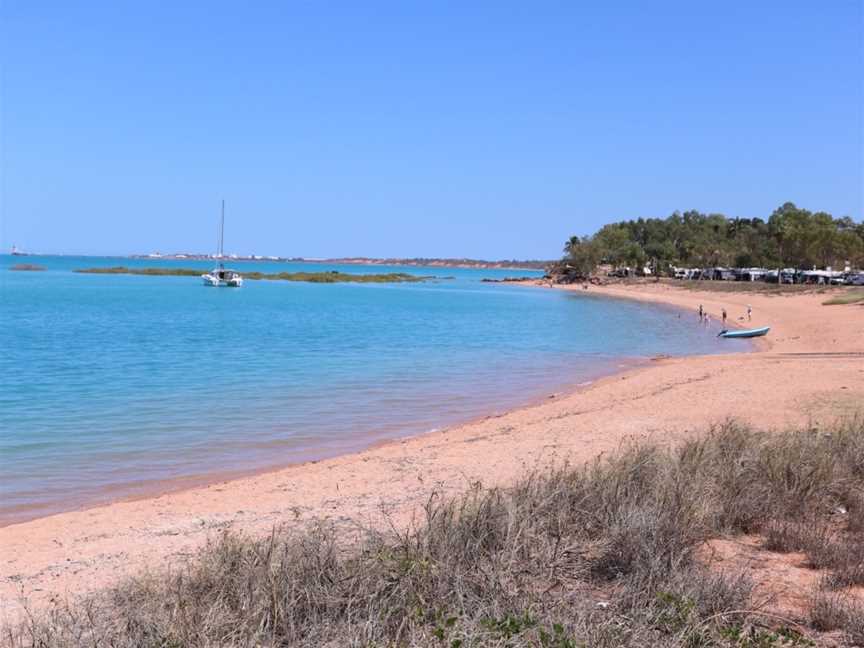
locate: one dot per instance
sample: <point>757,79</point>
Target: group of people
<point>705,318</point>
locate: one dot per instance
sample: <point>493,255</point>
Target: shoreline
<point>631,292</point>
<point>148,488</point>
<point>155,488</point>
<point>669,398</point>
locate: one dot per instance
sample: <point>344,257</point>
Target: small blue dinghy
<point>745,333</point>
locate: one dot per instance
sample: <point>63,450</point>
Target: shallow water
<point>113,383</point>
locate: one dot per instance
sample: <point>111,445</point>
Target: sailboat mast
<point>222,231</point>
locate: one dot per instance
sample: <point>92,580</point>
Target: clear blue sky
<point>493,130</point>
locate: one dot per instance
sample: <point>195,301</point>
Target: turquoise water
<point>114,384</point>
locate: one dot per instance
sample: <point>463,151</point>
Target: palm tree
<point>572,244</point>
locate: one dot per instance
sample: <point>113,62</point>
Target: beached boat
<point>220,276</point>
<point>746,333</point>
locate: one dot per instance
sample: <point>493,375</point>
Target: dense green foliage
<point>311,277</point>
<point>791,237</point>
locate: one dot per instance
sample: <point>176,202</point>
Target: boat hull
<point>215,282</point>
<point>747,333</point>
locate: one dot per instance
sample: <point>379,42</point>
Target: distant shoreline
<point>432,262</point>
<point>444,263</point>
<point>415,262</point>
<point>479,264</point>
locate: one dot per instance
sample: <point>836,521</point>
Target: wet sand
<point>809,369</point>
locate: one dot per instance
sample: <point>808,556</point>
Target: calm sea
<point>113,385</point>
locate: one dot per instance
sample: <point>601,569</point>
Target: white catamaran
<point>220,276</point>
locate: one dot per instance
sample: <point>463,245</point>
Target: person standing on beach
<point>749,312</point>
<point>701,313</point>
<point>723,313</point>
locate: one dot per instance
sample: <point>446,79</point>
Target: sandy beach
<point>810,368</point>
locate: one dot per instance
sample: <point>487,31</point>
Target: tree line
<point>790,237</point>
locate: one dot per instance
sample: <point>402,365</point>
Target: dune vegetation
<point>848,296</point>
<point>733,287</point>
<point>332,276</point>
<point>611,553</point>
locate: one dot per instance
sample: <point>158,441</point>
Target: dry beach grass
<point>847,296</point>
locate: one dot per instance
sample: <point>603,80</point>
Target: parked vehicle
<point>783,276</point>
<point>823,277</point>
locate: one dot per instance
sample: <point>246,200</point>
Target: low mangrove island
<point>27,267</point>
<point>332,276</point>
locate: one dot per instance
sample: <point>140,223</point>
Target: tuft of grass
<point>848,296</point>
<point>332,276</point>
<point>603,554</point>
<point>833,611</point>
<point>786,536</point>
<point>844,559</point>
